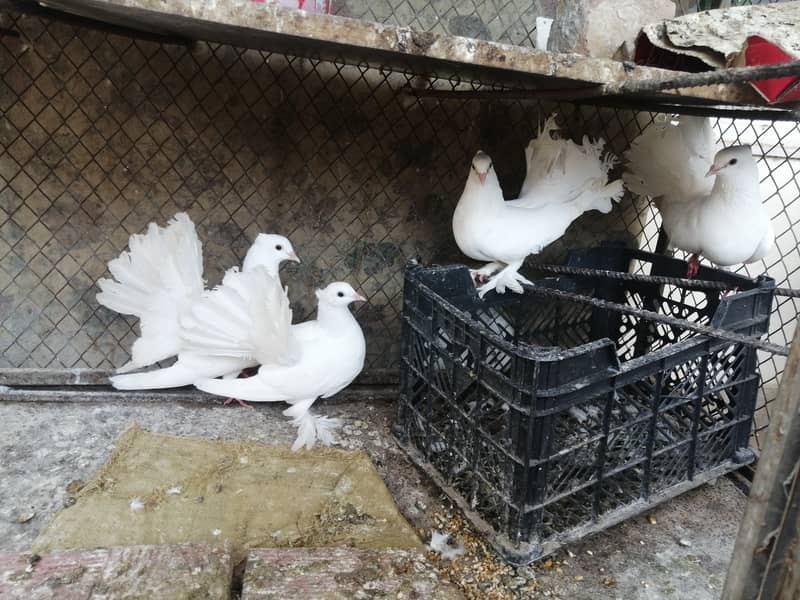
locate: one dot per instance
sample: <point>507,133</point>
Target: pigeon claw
<point>692,266</point>
<point>241,402</point>
<point>479,278</point>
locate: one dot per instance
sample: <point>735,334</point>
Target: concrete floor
<point>680,550</point>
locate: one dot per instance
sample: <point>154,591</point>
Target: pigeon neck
<point>251,263</point>
<point>334,316</point>
<point>737,186</point>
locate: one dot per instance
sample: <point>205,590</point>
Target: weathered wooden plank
<point>770,494</point>
<point>309,573</point>
<point>199,571</point>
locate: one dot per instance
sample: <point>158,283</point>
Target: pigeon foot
<point>241,402</point>
<point>482,275</point>
<point>507,278</point>
<point>244,374</point>
<point>692,266</point>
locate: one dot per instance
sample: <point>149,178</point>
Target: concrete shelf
<point>479,63</point>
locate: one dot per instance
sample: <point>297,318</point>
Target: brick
<point>342,573</point>
<point>197,571</point>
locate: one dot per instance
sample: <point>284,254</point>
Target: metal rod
<point>657,279</point>
<point>686,80</point>
<point>625,276</point>
<point>667,320</point>
<point>649,104</point>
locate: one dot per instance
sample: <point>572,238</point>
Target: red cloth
<point>760,51</point>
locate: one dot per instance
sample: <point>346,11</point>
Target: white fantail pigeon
<point>709,199</point>
<point>563,181</point>
<point>324,356</point>
<point>240,324</point>
<point>160,277</point>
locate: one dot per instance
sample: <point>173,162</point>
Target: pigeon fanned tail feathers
<point>241,323</point>
<point>157,280</point>
<point>670,162</point>
<point>560,171</point>
<point>246,317</point>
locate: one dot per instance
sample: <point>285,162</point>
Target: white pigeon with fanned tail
<point>160,278</point>
<point>563,180</point>
<point>323,357</point>
<point>240,324</point>
<point>721,218</point>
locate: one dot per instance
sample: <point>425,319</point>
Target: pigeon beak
<point>293,257</point>
<point>482,177</point>
<point>359,298</point>
<point>713,171</point>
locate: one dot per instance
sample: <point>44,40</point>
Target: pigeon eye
<point>278,247</point>
<point>732,161</point>
<point>340,294</point>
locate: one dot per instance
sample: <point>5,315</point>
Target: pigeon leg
<point>248,372</point>
<point>482,275</point>
<point>241,402</point>
<point>508,277</point>
<point>693,266</point>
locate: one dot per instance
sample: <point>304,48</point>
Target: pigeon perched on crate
<point>720,217</point>
<point>240,324</point>
<point>323,357</point>
<point>563,181</point>
<point>160,277</point>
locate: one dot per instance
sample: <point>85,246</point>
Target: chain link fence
<point>102,134</point>
<point>506,21</point>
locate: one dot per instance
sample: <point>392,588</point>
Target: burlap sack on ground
<point>163,489</point>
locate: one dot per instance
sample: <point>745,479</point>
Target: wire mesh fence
<point>103,134</point>
<point>507,21</point>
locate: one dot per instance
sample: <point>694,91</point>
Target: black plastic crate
<point>547,419</point>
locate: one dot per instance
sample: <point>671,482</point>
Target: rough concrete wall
<point>102,134</point>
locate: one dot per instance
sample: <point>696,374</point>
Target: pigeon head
<point>269,251</point>
<point>339,293</point>
<point>731,160</point>
<point>481,165</point>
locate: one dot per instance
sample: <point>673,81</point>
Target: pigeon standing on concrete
<point>160,278</point>
<point>240,324</point>
<point>322,357</point>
